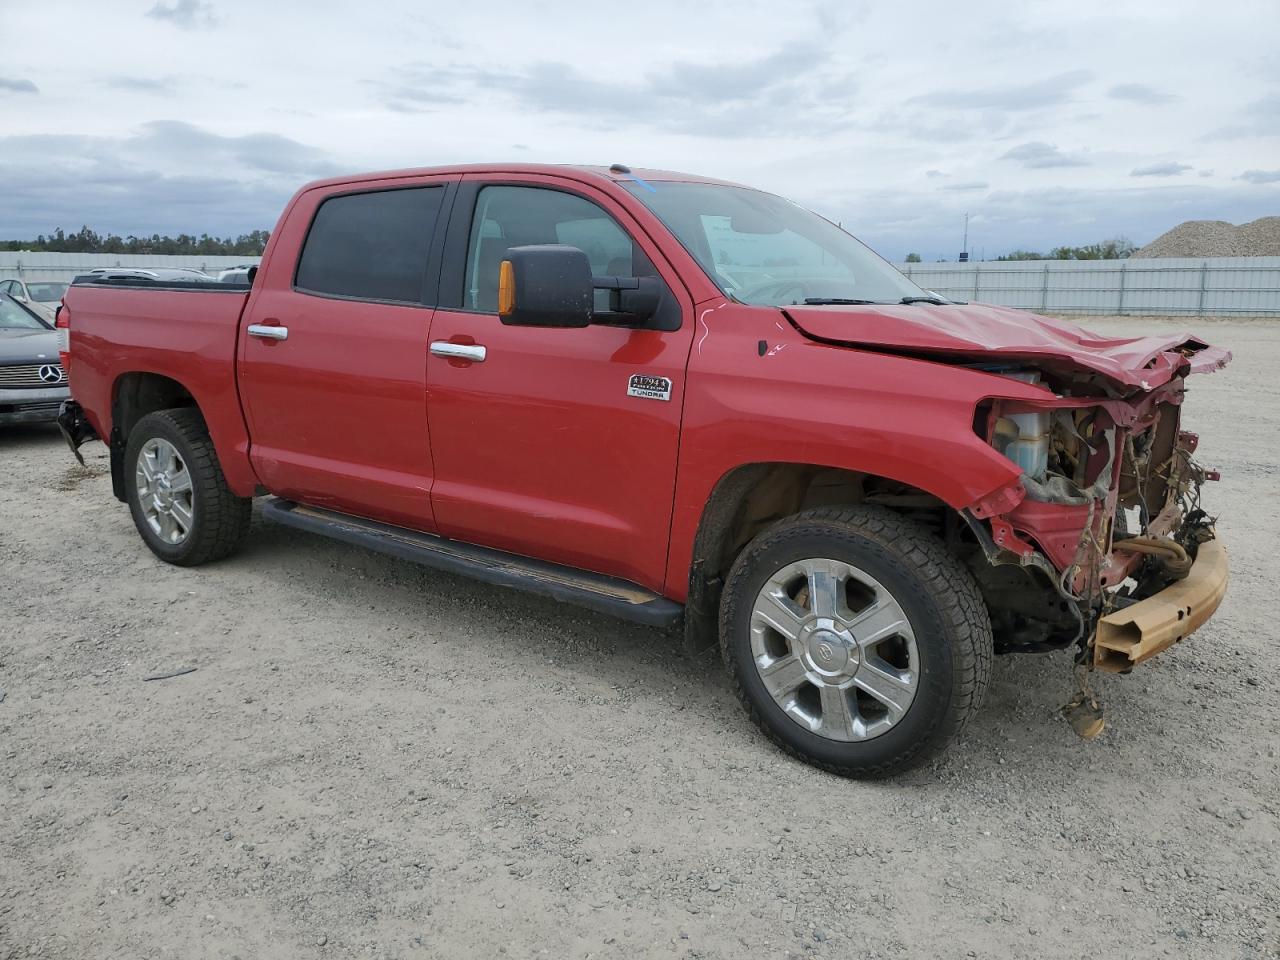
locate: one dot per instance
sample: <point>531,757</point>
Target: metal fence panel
<point>1240,286</point>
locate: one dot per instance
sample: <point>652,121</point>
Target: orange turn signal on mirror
<point>506,289</point>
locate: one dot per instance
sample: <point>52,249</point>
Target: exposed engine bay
<point>1106,514</point>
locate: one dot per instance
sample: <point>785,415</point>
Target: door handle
<point>459,351</point>
<point>267,333</point>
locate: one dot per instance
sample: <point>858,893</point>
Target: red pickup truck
<point>679,401</point>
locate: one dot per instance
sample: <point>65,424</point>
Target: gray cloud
<point>164,86</point>
<point>17,86</point>
<point>1168,169</point>
<point>184,14</point>
<point>744,81</point>
<point>166,177</point>
<point>141,203</point>
<point>1013,96</point>
<point>965,185</point>
<point>181,142</point>
<point>793,89</point>
<point>1038,155</point>
<point>1260,176</point>
<point>1140,93</point>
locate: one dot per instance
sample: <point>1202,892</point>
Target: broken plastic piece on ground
<point>1085,715</point>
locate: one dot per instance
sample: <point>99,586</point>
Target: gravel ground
<point>372,759</point>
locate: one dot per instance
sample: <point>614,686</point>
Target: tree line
<point>86,240</point>
<point>1120,248</point>
<point>1117,249</point>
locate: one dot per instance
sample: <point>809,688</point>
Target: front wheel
<point>178,496</point>
<point>854,640</point>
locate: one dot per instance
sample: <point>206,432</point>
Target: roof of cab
<point>583,173</point>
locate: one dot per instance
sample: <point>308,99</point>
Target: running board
<point>591,590</point>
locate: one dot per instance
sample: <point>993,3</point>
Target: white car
<point>154,273</point>
<point>237,274</point>
<point>42,296</point>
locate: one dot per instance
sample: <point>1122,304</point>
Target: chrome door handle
<point>266,332</point>
<point>460,351</point>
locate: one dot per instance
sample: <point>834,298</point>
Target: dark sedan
<point>32,381</point>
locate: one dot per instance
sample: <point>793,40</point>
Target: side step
<point>591,590</point>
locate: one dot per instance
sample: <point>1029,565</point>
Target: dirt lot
<point>377,760</point>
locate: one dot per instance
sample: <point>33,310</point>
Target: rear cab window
<point>371,246</point>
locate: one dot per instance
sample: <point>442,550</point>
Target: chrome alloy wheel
<point>834,649</point>
<point>164,491</point>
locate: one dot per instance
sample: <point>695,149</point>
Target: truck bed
<point>182,331</point>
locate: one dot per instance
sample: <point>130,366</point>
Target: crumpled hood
<point>980,332</point>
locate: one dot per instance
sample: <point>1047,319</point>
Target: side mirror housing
<point>635,298</point>
<point>545,285</point>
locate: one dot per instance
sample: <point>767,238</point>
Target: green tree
<point>1118,248</point>
<point>86,240</point>
<point>913,258</point>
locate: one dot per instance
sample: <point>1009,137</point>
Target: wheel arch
<point>751,497</point>
<point>134,395</point>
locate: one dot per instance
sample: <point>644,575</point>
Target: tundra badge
<point>649,388</point>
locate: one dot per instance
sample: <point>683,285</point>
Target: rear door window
<point>371,246</point>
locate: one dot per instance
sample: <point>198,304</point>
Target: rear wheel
<point>855,641</point>
<point>178,496</point>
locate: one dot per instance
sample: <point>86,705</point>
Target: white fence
<point>37,265</point>
<point>1236,286</point>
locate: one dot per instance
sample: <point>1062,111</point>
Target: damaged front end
<point>1102,542</point>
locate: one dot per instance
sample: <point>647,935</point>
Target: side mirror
<point>545,285</point>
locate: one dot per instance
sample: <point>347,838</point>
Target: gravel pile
<point>1217,238</point>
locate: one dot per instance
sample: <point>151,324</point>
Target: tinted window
<point>509,217</point>
<point>372,246</point>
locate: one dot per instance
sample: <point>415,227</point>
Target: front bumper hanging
<point>1138,632</point>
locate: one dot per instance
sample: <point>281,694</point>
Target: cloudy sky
<point>1049,123</point>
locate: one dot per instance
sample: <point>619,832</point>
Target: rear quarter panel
<point>186,335</point>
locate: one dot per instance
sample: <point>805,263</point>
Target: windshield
<point>14,317</point>
<point>47,292</point>
<point>764,250</point>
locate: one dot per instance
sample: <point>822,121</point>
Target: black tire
<point>220,519</point>
<point>942,604</point>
